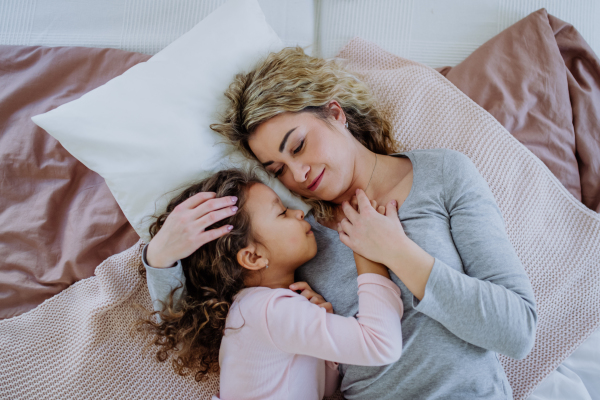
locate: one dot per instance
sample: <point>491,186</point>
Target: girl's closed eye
<point>284,211</point>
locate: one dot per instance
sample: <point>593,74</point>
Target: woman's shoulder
<point>441,155</point>
<point>445,161</point>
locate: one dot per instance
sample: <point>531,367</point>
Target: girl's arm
<point>373,338</point>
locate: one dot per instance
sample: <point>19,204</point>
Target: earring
<point>267,266</point>
<point>346,125</point>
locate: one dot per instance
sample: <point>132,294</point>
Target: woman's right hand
<point>338,214</point>
<point>184,230</point>
<point>364,265</point>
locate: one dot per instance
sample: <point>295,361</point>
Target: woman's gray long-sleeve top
<point>478,300</point>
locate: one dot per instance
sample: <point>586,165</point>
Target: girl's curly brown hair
<point>192,329</point>
<point>292,81</point>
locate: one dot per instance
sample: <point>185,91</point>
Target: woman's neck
<point>378,174</point>
<point>389,172</point>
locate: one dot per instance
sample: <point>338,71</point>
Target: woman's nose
<point>300,173</point>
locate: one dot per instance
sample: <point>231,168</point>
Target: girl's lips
<point>314,186</point>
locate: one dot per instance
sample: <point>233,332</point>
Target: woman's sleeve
<point>373,338</point>
<point>161,281</point>
<point>492,305</point>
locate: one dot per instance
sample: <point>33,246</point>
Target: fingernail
<point>234,208</point>
<point>357,190</point>
<point>394,203</point>
<point>233,199</point>
<point>230,227</point>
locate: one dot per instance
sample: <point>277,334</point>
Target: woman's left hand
<point>369,233</point>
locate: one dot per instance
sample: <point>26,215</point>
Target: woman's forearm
<point>162,281</point>
<point>412,265</point>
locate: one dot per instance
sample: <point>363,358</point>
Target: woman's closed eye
<point>284,211</point>
<point>296,151</point>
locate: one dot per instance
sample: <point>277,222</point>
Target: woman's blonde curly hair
<point>291,81</point>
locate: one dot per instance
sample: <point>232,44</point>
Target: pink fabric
<point>278,352</point>
<point>541,81</point>
<point>58,220</point>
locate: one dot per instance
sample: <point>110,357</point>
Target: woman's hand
<point>311,295</point>
<point>364,265</point>
<point>382,239</point>
<point>184,230</point>
<point>370,233</point>
<point>338,214</point>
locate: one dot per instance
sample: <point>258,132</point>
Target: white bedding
<point>433,32</point>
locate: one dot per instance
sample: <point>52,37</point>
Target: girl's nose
<point>299,214</point>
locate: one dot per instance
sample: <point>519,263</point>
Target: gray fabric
<point>161,281</point>
<point>478,300</point>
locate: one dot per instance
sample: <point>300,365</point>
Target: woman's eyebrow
<point>281,146</point>
<point>285,138</point>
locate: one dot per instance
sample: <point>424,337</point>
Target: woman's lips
<point>316,182</point>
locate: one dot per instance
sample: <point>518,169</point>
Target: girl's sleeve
<point>373,338</point>
<point>161,281</point>
<point>492,304</point>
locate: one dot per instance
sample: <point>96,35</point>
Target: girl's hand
<point>184,230</point>
<point>311,295</point>
<point>369,233</point>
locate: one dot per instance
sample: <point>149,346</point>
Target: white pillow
<point>147,132</point>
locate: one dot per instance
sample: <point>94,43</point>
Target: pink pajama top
<point>276,341</point>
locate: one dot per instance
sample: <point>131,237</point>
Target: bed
<point>437,34</point>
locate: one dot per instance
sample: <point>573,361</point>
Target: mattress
<point>433,32</point>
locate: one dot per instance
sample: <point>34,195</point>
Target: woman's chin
<point>324,194</point>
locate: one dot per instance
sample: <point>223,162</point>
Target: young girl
<point>232,303</point>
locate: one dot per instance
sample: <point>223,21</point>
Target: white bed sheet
<point>145,26</point>
<point>439,32</point>
<point>433,32</point>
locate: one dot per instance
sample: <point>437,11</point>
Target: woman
<point>465,293</point>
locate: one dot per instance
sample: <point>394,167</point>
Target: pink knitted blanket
<point>77,344</point>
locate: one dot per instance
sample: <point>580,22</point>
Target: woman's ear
<point>336,111</point>
<point>249,258</point>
